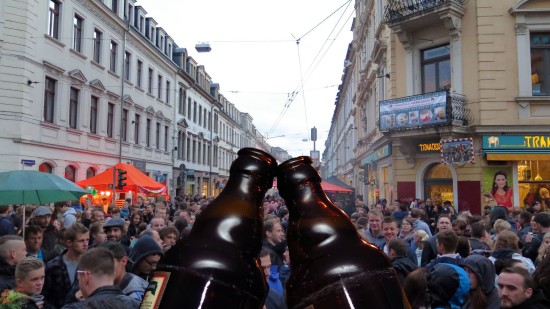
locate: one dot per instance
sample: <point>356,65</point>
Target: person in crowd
<point>407,232</point>
<point>501,212</point>
<point>483,293</point>
<point>506,247</point>
<point>360,225</point>
<point>12,251</point>
<point>415,287</point>
<point>398,254</point>
<point>114,229</point>
<point>273,241</point>
<point>154,234</point>
<point>125,210</point>
<point>417,216</point>
<point>134,228</point>
<point>501,192</point>
<point>96,276</point>
<point>524,223</point>
<point>499,226</point>
<point>544,248</point>
<point>401,213</point>
<point>448,285</point>
<point>459,226</point>
<point>29,278</point>
<point>429,251</point>
<point>274,299</point>
<point>374,232</point>
<point>6,224</point>
<point>144,257</point>
<point>130,284</point>
<point>98,214</point>
<point>69,215</point>
<point>446,244</point>
<point>97,234</point>
<point>148,213</point>
<point>516,290</point>
<point>41,216</point>
<point>169,236</point>
<point>34,236</point>
<point>140,202</point>
<point>113,212</point>
<point>479,238</point>
<point>541,226</point>
<point>463,248</point>
<point>157,224</point>
<point>181,225</point>
<point>541,277</point>
<point>420,238</point>
<point>390,231</point>
<point>61,271</point>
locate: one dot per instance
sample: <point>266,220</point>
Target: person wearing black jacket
<point>402,264</point>
<point>516,290</point>
<point>12,251</point>
<point>541,226</point>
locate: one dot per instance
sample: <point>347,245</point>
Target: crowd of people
<point>104,256</point>
<point>87,256</point>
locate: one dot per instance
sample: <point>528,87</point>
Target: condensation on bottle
<point>331,266</point>
<point>216,265</point>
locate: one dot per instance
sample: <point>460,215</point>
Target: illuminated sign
<point>510,142</point>
<point>428,147</point>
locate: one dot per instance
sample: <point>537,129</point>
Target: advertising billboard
<point>413,112</point>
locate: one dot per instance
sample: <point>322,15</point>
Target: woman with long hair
<point>136,218</point>
<point>544,247</point>
<point>500,190</point>
<point>542,276</point>
<point>407,232</point>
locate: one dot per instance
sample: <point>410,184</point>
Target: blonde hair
<point>501,225</point>
<point>422,235</point>
<point>543,247</point>
<point>26,265</point>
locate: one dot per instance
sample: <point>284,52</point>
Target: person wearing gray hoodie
<point>69,217</point>
<point>483,293</point>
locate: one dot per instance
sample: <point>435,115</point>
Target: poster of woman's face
<point>495,179</point>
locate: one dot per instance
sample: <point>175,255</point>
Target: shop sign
<point>414,111</point>
<point>428,146</point>
<point>503,142</point>
<point>376,155</point>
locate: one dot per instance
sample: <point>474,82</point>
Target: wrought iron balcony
<point>397,11</point>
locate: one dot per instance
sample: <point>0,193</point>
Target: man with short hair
<point>157,224</point>
<point>169,236</point>
<point>144,257</point>
<point>61,271</point>
<point>429,251</point>
<point>114,229</point>
<point>12,250</point>
<point>479,237</point>
<point>98,214</point>
<point>34,236</point>
<point>6,224</point>
<point>524,222</point>
<point>541,226</point>
<point>446,243</point>
<point>274,299</point>
<point>390,231</point>
<point>96,276</point>
<point>41,216</point>
<point>130,284</point>
<point>374,231</point>
<point>516,290</point>
<point>418,225</point>
<point>403,265</point>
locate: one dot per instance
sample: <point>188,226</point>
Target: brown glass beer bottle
<point>331,266</point>
<point>216,265</point>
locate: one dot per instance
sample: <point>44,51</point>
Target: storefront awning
<point>518,157</point>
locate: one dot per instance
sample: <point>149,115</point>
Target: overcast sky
<point>258,64</point>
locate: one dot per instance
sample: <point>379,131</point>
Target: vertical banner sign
<point>457,151</point>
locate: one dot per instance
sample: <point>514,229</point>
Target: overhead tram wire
<point>293,94</point>
<point>302,82</point>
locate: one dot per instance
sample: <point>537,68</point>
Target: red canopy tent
<point>326,186</point>
<point>136,181</point>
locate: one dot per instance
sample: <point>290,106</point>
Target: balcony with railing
<point>409,15</point>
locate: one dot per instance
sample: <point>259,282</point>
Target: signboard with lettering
<point>28,162</point>
<point>376,155</point>
<point>414,111</point>
<point>517,142</point>
<point>428,146</point>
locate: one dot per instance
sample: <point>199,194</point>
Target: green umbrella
<point>33,187</point>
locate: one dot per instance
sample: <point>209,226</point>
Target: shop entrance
<point>438,184</point>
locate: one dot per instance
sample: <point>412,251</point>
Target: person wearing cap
<point>130,284</point>
<point>145,256</point>
<point>6,224</point>
<point>114,228</point>
<point>42,216</point>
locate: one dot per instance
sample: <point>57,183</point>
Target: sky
<point>280,61</point>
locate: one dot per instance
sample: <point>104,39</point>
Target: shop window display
<point>438,184</point>
<point>534,183</point>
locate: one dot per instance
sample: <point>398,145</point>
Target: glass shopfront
<point>534,183</point>
<point>438,184</point>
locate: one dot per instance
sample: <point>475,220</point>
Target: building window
<point>97,45</point>
<point>187,150</point>
<point>136,129</point>
<point>167,91</point>
<point>150,83</point>
<point>181,102</point>
<point>77,32</point>
<point>93,114</point>
<point>90,172</point>
<point>110,119</point>
<point>73,108</point>
<point>53,18</point>
<point>114,6</point>
<point>45,168</point>
<point>189,108</point>
<point>113,48</point>
<point>204,118</point>
<point>166,133</point>
<point>157,135</point>
<point>540,63</point>
<point>195,112</point>
<point>159,87</point>
<point>148,133</point>
<point>436,69</point>
<point>200,115</point>
<point>209,121</point>
<point>49,99</point>
<point>127,57</point>
<point>70,173</point>
<point>124,125</point>
<point>139,73</point>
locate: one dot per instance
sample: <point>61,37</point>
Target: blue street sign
<point>28,162</point>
